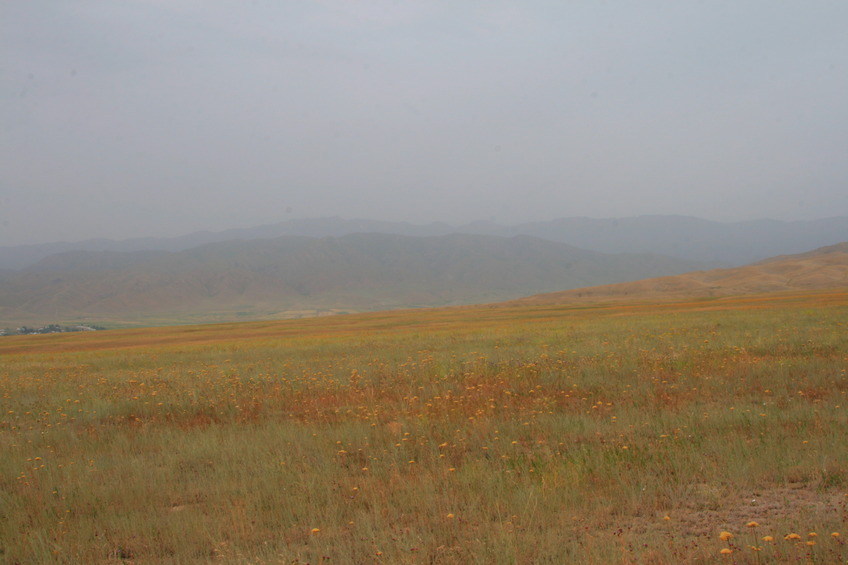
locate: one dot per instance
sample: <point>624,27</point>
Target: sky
<point>164,117</point>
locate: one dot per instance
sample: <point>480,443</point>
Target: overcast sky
<point>161,117</point>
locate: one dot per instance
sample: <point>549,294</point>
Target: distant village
<point>49,329</point>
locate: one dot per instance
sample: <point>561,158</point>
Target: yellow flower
<point>451,516</point>
<point>725,536</point>
<point>812,534</point>
<point>768,538</point>
<point>834,535</point>
<point>726,551</point>
<point>790,537</point>
<point>811,543</point>
<point>752,524</point>
<point>316,530</point>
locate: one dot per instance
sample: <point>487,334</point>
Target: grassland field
<point>711,431</point>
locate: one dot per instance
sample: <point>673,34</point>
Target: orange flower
<point>752,524</point>
<point>726,551</point>
<point>725,536</point>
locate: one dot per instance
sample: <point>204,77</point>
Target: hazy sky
<point>160,117</point>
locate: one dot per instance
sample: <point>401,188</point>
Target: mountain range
<point>334,265</point>
<point>692,239</point>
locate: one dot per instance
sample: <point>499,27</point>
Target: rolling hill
<point>289,276</point>
<point>823,268</point>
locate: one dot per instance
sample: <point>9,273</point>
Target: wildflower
<point>835,535</point>
<point>811,543</point>
<point>451,516</point>
<point>726,551</point>
<point>790,537</point>
<point>812,534</point>
<point>752,524</point>
<point>316,531</point>
<point>666,517</point>
<point>725,536</point>
<point>768,539</point>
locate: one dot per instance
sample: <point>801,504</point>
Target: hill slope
<point>275,277</point>
<point>823,268</point>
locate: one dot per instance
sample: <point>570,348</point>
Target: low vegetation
<point>703,432</point>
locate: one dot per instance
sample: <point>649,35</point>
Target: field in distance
<point>662,432</point>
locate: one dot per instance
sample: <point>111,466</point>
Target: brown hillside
<point>823,268</point>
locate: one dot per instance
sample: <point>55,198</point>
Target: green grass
<point>611,434</point>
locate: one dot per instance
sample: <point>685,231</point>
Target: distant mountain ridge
<point>21,256</point>
<point>269,277</point>
<point>731,244</point>
<point>694,239</point>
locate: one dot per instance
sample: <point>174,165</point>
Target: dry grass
<point>823,269</point>
<point>634,433</point>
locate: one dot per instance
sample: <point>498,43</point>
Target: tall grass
<point>610,434</point>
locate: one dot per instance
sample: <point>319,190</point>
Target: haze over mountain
<point>687,238</point>
<point>285,275</point>
<point>136,118</point>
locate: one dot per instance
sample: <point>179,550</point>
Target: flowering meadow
<point>711,431</point>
